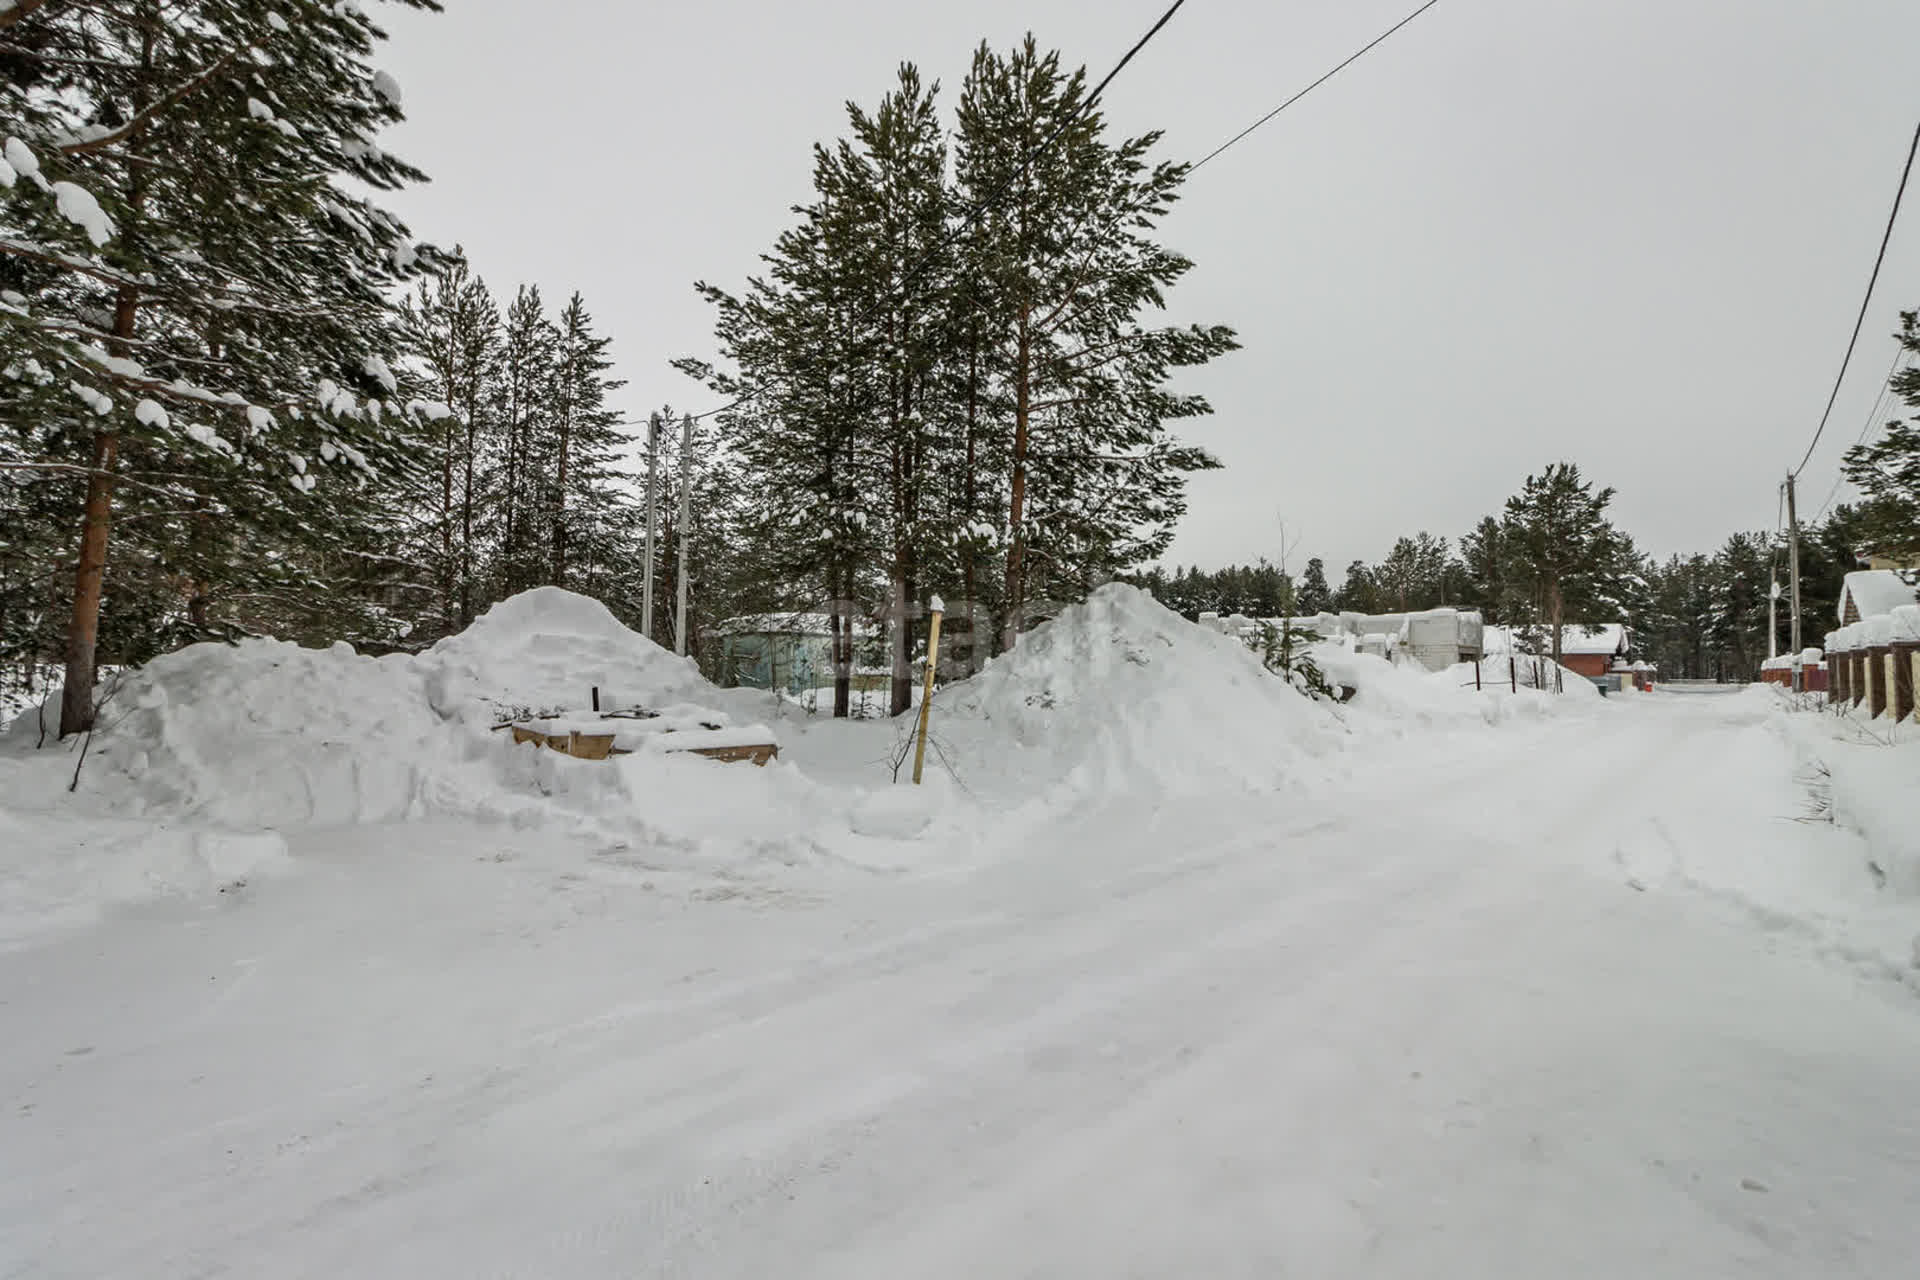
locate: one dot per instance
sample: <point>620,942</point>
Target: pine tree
<point>1315,597</point>
<point>527,442</point>
<point>451,332</point>
<point>1563,556</point>
<point>1887,470</point>
<point>1414,574</point>
<point>1485,585</point>
<point>1360,593</point>
<point>587,439</point>
<point>885,197</point>
<point>1062,269</point>
<point>194,284</point>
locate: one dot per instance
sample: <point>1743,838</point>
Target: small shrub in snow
<point>1287,652</point>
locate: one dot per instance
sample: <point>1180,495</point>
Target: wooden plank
<point>758,753</point>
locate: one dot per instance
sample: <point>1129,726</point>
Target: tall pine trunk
<point>466,530</point>
<point>83,630</point>
<point>448,574</point>
<point>1016,588</point>
<point>841,590</point>
<point>560,492</point>
<point>90,569</point>
<point>970,488</point>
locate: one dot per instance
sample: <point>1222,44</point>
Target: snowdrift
<point>545,650</point>
<point>1862,771</point>
<point>267,734</point>
<point>1119,695</point>
<point>1398,697</point>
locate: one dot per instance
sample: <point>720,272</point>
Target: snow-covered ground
<point>1439,984</point>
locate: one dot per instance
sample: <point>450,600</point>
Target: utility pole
<point>653,488</point>
<point>686,518</point>
<point>1773,609</point>
<point>1793,563</point>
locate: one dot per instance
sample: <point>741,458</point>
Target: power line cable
<point>1900,358</point>
<point>1362,52</point>
<point>1892,217</point>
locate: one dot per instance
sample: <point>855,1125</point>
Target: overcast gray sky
<point>1629,233</point>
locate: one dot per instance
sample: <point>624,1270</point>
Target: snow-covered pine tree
<point>1887,470</point>
<point>527,443</point>
<point>1314,596</point>
<point>1066,267</point>
<point>185,278</point>
<point>1360,593</point>
<point>884,195</point>
<point>587,440</point>
<point>450,334</point>
<point>1563,556</point>
<point>801,404</point>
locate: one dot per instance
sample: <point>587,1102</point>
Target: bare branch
<point>165,101</point>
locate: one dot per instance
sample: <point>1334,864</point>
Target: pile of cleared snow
<point>1404,696</point>
<point>546,650</point>
<point>1120,695</point>
<point>262,733</point>
<point>215,747</point>
<point>266,733</point>
<point>1865,769</point>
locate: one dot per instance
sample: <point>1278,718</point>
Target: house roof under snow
<point>1606,638</point>
<point>1878,591</point>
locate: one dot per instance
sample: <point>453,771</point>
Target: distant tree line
<point>1553,553</point>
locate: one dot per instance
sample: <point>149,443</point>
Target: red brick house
<point>1594,653</point>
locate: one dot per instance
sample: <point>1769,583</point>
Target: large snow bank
<point>545,650</point>
<point>266,733</point>
<point>1864,770</point>
<point>202,756</point>
<point>1119,695</point>
<point>1405,697</point>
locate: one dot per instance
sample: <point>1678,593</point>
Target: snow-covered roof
<point>1608,639</point>
<point>1876,591</point>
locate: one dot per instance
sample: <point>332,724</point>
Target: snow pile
<point>546,650</point>
<point>260,734</point>
<point>1120,695</point>
<point>1864,771</point>
<point>1404,697</point>
<point>267,734</point>
<point>216,748</point>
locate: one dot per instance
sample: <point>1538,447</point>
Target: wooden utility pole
<point>936,607</point>
<point>1793,563</point>
<point>653,489</point>
<point>686,515</point>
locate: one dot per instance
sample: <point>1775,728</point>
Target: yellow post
<point>926,692</point>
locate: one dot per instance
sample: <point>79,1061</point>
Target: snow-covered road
<point>1540,1007</point>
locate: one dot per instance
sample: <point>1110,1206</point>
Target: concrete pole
<point>1773,615</point>
<point>1793,561</point>
<point>653,489</point>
